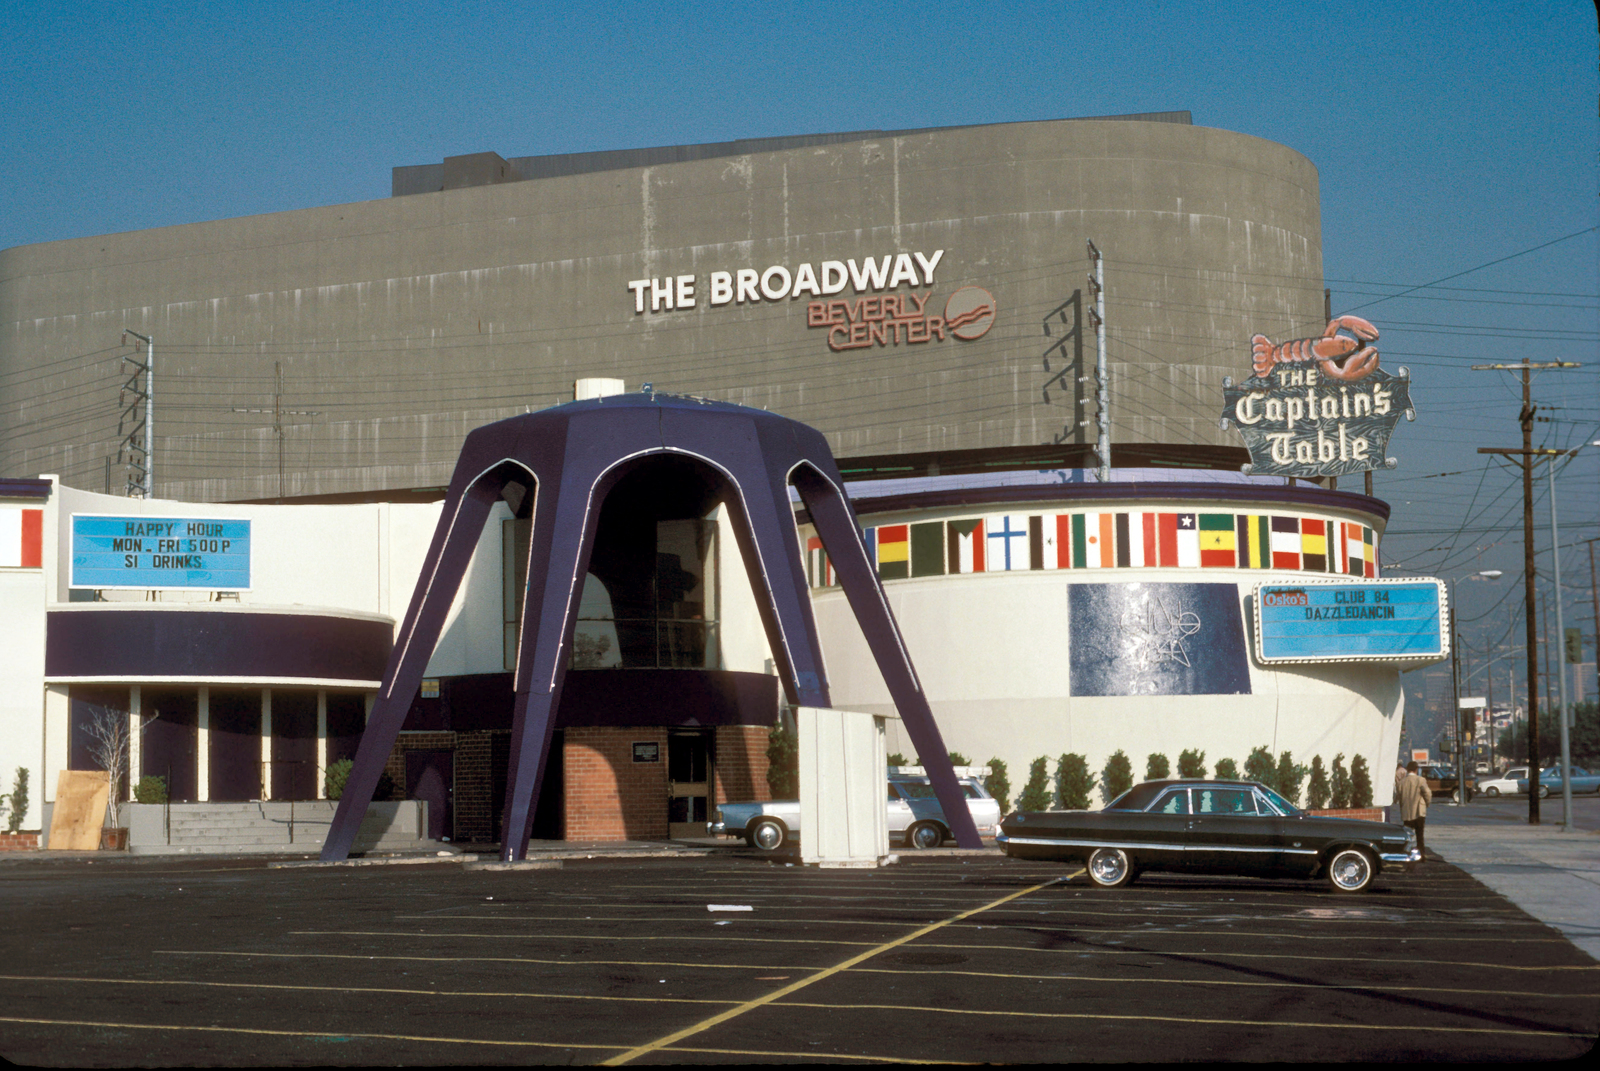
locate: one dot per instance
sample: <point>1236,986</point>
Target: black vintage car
<point>1210,827</point>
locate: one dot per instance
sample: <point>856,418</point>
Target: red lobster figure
<point>1339,356</point>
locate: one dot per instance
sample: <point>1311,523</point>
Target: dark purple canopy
<point>568,458</point>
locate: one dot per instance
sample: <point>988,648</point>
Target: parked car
<point>915,817</point>
<point>1550,781</point>
<point>1506,783</point>
<point>1445,783</point>
<point>1210,827</point>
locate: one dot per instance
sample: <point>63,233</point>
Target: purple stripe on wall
<point>168,643</point>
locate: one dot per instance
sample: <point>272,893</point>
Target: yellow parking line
<point>733,1013</point>
<point>1189,1020</point>
<point>1084,950</point>
<point>494,959</point>
<point>679,938</point>
<point>1145,980</point>
<point>353,989</point>
<point>333,1034</point>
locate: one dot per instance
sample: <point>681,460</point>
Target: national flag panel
<point>1007,537</point>
<point>1217,541</point>
<point>927,549</point>
<point>1252,533</point>
<point>1188,540</point>
<point>818,568</point>
<point>964,547</point>
<point>1286,543</point>
<point>1313,545</point>
<point>21,538</point>
<point>894,552</point>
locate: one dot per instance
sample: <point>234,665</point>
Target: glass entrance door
<point>689,762</point>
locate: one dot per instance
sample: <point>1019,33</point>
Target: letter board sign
<point>140,553</point>
<point>1351,621</point>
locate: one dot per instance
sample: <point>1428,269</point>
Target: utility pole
<point>1526,456</point>
<point>278,412</point>
<point>1102,384</point>
<point>142,386</point>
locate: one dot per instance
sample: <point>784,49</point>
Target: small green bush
<point>1157,768</point>
<point>958,759</point>
<point>1290,776</point>
<point>1036,793</point>
<point>783,764</point>
<point>1260,767</point>
<point>1073,782</point>
<point>1317,791</point>
<point>1117,776</point>
<point>1191,763</point>
<point>334,777</point>
<point>897,759</point>
<point>1360,783</point>
<point>1227,770</point>
<point>1339,796</point>
<point>18,800</point>
<point>150,789</point>
<point>997,783</point>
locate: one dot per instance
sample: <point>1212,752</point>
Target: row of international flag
<point>1011,542</point>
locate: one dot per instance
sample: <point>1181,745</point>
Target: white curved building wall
<point>993,655</point>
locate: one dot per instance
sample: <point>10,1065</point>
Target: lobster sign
<point>1318,406</point>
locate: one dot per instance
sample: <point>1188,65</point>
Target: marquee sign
<point>142,553</point>
<point>1351,621</point>
<point>858,322</point>
<point>1318,406</point>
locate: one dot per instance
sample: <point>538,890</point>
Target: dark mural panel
<point>1157,639</point>
<point>171,735</point>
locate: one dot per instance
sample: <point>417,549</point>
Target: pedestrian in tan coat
<point>1414,796</point>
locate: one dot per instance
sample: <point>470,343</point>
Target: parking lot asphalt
<point>733,958</point>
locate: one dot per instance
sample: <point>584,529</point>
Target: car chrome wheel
<point>1110,867</point>
<point>767,835</point>
<point>1491,791</point>
<point>1351,870</point>
<point>1544,792</point>
<point>924,835</point>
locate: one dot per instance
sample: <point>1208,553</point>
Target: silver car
<point>914,814</point>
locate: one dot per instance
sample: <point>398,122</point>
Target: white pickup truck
<point>914,813</point>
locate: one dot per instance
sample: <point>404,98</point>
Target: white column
<point>322,742</point>
<point>202,746</point>
<point>134,722</point>
<point>266,743</point>
<point>57,727</point>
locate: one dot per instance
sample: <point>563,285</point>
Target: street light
<point>1565,711</point>
<point>1455,683</point>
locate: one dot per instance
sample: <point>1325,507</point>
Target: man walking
<point>1414,797</point>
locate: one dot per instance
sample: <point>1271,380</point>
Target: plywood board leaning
<point>80,811</point>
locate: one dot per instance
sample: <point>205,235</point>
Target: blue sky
<point>1447,136</point>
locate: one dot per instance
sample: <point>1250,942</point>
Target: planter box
<point>1370,814</point>
<point>114,840</point>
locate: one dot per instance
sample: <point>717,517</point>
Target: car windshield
<point>1283,806</point>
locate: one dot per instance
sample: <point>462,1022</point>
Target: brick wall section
<point>474,791</point>
<point>608,795</point>
<point>18,842</point>
<point>1369,814</point>
<point>741,769</point>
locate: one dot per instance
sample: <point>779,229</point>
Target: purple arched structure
<point>568,458</point>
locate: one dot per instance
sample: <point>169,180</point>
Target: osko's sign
<point>852,323</point>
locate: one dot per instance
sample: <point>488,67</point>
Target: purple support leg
<point>454,540</point>
<point>835,524</point>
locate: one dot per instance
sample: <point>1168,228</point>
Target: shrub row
<point>1074,781</point>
